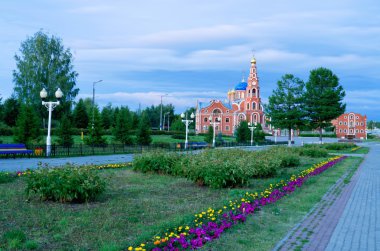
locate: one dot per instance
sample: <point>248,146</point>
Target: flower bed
<point>355,148</point>
<point>210,224</point>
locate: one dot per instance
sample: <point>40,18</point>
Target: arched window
<point>254,92</point>
<point>253,105</point>
<point>247,106</point>
<point>254,118</point>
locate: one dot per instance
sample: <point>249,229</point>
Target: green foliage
<point>5,130</point>
<point>258,133</point>
<point>123,125</point>
<point>288,156</point>
<point>11,110</point>
<point>65,132</point>
<point>209,135</point>
<point>80,115</point>
<point>243,133</point>
<point>106,116</point>
<point>338,146</point>
<point>159,162</point>
<point>285,104</point>
<point>154,113</point>
<point>6,177</point>
<point>66,184</point>
<point>179,136</point>
<point>314,151</point>
<point>323,98</point>
<point>143,131</point>
<point>27,126</point>
<point>44,62</point>
<point>178,125</point>
<point>95,132</point>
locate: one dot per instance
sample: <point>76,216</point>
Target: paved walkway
<point>348,215</point>
<point>359,226</point>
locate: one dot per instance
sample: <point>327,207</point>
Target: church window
<point>253,105</point>
<point>340,122</point>
<point>361,123</point>
<point>357,130</point>
<point>227,120</point>
<point>340,130</point>
<point>254,92</point>
<point>345,130</point>
<point>205,119</point>
<point>227,128</point>
<point>247,106</point>
<point>345,123</point>
<point>357,117</point>
<point>362,131</point>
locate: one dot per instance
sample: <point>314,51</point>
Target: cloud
<point>365,100</point>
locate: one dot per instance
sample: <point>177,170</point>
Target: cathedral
<point>243,103</point>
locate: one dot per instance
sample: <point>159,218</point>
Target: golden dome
<point>253,60</point>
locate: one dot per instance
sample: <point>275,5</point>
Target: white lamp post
<point>216,122</point>
<point>187,122</point>
<point>252,127</point>
<point>50,105</point>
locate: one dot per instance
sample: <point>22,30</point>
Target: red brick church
<point>243,103</point>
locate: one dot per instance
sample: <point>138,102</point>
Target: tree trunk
<point>290,137</point>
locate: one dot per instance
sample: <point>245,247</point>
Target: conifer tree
<point>258,133</point>
<point>65,132</point>
<point>96,132</point>
<point>323,99</point>
<point>122,127</point>
<point>80,116</point>
<point>143,131</point>
<point>27,127</point>
<point>209,135</point>
<point>243,134</point>
<point>285,106</point>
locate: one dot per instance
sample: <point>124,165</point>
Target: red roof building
<point>351,125</point>
<point>244,104</point>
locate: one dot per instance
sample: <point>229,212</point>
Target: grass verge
<point>273,222</point>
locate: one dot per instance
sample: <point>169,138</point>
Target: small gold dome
<point>253,60</point>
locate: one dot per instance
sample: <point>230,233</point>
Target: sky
<point>198,50</point>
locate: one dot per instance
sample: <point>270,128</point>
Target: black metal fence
<point>107,149</point>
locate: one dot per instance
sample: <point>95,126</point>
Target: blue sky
<point>198,49</point>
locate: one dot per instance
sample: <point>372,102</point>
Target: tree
<point>178,125</point>
<point>27,126</point>
<point>106,115</point>
<point>154,113</point>
<point>43,62</point>
<point>123,126</point>
<point>323,99</point>
<point>285,104</point>
<point>143,131</point>
<point>11,111</point>
<point>65,132</point>
<point>209,135</point>
<point>95,133</point>
<point>243,134</point>
<point>258,133</point>
<point>80,115</point>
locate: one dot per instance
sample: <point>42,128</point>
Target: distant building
<point>244,104</point>
<point>350,125</point>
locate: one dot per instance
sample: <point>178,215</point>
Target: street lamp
<point>161,111</point>
<point>252,127</point>
<point>93,101</point>
<point>50,105</point>
<point>187,122</point>
<point>216,122</point>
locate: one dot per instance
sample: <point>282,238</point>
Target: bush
<point>289,156</point>
<point>265,164</point>
<point>338,146</point>
<point>313,151</point>
<point>290,160</point>
<point>217,169</point>
<point>67,184</point>
<point>157,161</point>
<point>178,136</point>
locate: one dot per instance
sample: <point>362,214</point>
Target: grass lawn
<point>137,206</point>
<point>361,150</point>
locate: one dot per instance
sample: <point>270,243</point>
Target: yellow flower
<point>130,248</point>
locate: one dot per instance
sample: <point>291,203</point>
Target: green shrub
<point>67,184</point>
<point>217,169</point>
<point>265,164</point>
<point>338,146</point>
<point>178,136</point>
<point>6,177</point>
<point>289,156</point>
<point>313,151</point>
<point>290,160</point>
<point>157,161</point>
